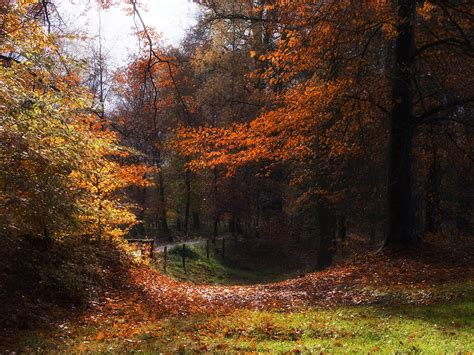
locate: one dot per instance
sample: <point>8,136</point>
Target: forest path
<point>367,279</point>
<point>159,248</point>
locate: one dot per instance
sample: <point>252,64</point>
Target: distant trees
<point>348,87</point>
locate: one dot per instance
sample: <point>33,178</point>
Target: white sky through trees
<point>170,18</point>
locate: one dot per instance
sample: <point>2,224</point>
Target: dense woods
<point>316,128</point>
<point>287,114</point>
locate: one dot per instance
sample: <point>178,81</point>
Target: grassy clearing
<point>411,329</point>
<point>432,329</point>
<point>232,269</point>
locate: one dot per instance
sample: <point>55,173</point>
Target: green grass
<point>231,269</point>
<point>446,326</point>
<point>409,329</point>
<point>430,329</point>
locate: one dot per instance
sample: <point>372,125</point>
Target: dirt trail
<point>367,279</point>
<point>161,247</point>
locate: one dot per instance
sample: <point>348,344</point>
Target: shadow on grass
<point>457,313</point>
<point>241,264</point>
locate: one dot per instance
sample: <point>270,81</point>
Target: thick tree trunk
<point>399,195</point>
<point>326,221</point>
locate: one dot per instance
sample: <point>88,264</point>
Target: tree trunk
<point>232,223</point>
<point>399,195</point>
<point>178,220</point>
<point>188,201</point>
<point>215,216</point>
<point>214,228</point>
<point>327,234</point>
<point>464,205</point>
<point>233,213</point>
<point>196,220</point>
<point>432,198</point>
<point>258,217</point>
<point>141,216</point>
<point>164,218</point>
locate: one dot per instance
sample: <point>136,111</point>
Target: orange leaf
<point>100,335</point>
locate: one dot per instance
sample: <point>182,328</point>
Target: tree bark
<point>196,220</point>
<point>178,220</point>
<point>188,201</point>
<point>327,234</point>
<point>258,217</point>
<point>432,192</point>
<point>399,194</point>
<point>141,216</point>
<point>164,218</point>
<point>215,217</point>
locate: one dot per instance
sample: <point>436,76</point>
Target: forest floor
<point>422,300</point>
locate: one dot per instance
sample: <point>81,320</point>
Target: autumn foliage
<point>60,166</point>
<point>342,92</point>
<point>329,142</point>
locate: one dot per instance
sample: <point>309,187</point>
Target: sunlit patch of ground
<point>388,329</point>
<point>409,301</point>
